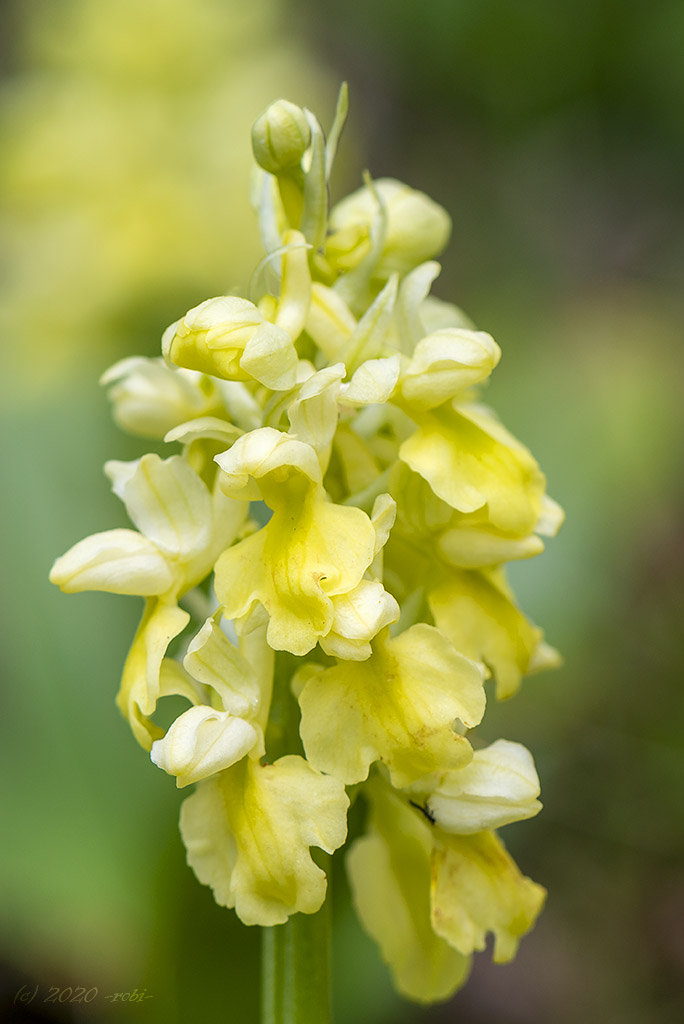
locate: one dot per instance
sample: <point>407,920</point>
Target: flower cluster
<point>355,504</point>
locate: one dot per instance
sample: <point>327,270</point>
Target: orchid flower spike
<point>329,535</point>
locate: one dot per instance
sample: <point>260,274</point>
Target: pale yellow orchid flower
<point>357,508</point>
<point>399,707</point>
<point>310,553</point>
<point>150,398</point>
<point>230,706</point>
<point>248,831</point>
<point>183,527</point>
<point>429,898</point>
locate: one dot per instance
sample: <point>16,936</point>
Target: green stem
<point>295,956</point>
<point>295,970</point>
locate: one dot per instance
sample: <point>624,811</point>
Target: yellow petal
<point>469,461</point>
<point>214,661</point>
<point>309,552</point>
<point>204,428</point>
<point>358,468</point>
<point>399,706</point>
<point>476,611</point>
<point>262,457</point>
<point>374,381</point>
<point>445,363</point>
<point>466,541</point>
<point>389,875</point>
<point>295,288</point>
<point>369,337</point>
<point>248,832</point>
<point>411,299</point>
<point>229,337</point>
<point>471,543</point>
<point>477,888</point>
<point>417,227</point>
<point>329,321</point>
<point>270,357</point>
<point>140,682</point>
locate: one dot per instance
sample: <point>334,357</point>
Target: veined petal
<point>470,461</point>
<point>240,404</point>
<point>358,467</point>
<point>464,540</point>
<point>227,518</point>
<point>140,682</point>
<point>248,833</point>
<point>166,500</point>
<point>445,363</point>
<point>310,551</point>
<point>399,706</point>
<point>369,336</point>
<point>201,742</point>
<point>389,875</point>
<point>477,888</point>
<point>476,611</point>
<point>436,313</point>
<point>174,681</point>
<point>116,561</point>
<point>500,785</point>
<point>383,515</point>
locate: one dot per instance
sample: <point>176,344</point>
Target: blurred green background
<point>554,135</point>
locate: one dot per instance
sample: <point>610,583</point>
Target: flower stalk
<point>296,969</point>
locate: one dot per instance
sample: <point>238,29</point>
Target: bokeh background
<point>554,134</point>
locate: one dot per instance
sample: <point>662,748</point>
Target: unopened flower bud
<point>417,227</point>
<point>280,137</point>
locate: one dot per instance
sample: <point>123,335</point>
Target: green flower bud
<point>280,137</point>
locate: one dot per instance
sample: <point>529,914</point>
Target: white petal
<point>500,785</point>
<point>201,742</point>
<point>260,452</point>
<point>117,561</point>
